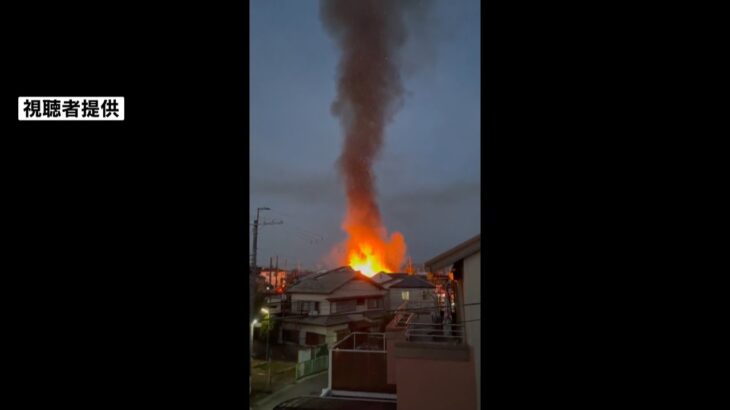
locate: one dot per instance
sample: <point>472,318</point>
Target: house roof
<point>329,281</point>
<point>381,277</point>
<point>458,252</point>
<point>412,282</point>
<point>358,295</point>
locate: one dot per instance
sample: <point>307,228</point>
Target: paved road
<point>311,386</point>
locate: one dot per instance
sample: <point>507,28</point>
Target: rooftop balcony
<point>421,352</point>
<point>413,353</point>
<point>358,367</point>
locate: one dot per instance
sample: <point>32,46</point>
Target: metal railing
<point>362,341</point>
<point>435,333</point>
<point>402,319</point>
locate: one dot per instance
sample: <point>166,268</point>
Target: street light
<point>250,347</point>
<point>268,320</point>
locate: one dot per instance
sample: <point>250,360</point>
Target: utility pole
<point>268,354</point>
<point>271,269</point>
<point>256,235</point>
<point>256,225</point>
<point>254,273</point>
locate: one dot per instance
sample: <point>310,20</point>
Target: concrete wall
<point>395,298</point>
<point>435,384</point>
<point>472,312</point>
<point>392,336</point>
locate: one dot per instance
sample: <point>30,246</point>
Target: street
<point>310,386</point>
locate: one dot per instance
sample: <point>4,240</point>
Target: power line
<point>305,230</point>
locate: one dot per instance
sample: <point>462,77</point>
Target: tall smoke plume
<point>371,35</point>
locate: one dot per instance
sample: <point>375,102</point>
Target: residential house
<point>325,307</point>
<point>414,352</point>
<point>464,263</point>
<point>409,288</point>
<point>382,277</point>
<point>274,302</point>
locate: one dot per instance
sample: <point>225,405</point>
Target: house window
<point>404,295</point>
<point>305,306</point>
<point>375,303</point>
<point>360,301</point>
<point>345,305</point>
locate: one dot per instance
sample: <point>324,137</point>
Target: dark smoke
<point>371,35</point>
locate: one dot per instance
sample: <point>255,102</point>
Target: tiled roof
<point>381,277</point>
<point>327,282</point>
<point>324,282</point>
<point>412,282</point>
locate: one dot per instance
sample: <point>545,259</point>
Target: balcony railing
<point>361,341</point>
<point>435,333</point>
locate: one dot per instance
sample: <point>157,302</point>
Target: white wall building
<point>464,260</point>
<point>418,292</point>
<point>327,306</point>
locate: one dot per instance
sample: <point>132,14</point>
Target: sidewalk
<point>308,386</point>
<point>282,374</point>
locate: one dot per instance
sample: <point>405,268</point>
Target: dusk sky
<point>428,172</point>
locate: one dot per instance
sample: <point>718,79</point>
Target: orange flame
<point>369,250</point>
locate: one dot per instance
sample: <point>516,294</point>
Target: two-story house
<point>326,307</point>
<point>404,287</point>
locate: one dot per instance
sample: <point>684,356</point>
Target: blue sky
<point>428,172</point>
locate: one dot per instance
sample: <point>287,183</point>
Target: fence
<point>435,333</point>
<point>313,366</point>
<point>360,363</point>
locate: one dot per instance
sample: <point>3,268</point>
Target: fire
<point>365,261</point>
<point>370,251</point>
